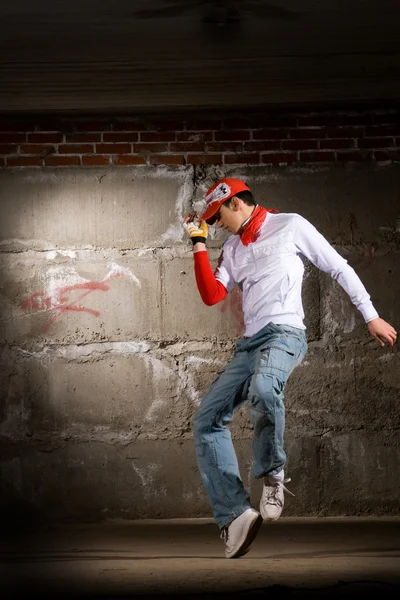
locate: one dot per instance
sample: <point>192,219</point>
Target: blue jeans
<point>257,374</point>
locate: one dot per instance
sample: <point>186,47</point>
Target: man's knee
<point>207,420</point>
<point>266,394</point>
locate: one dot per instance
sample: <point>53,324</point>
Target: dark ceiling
<point>165,55</point>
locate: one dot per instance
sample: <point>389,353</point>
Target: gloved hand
<point>198,231</point>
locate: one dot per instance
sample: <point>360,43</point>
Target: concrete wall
<point>107,349</point>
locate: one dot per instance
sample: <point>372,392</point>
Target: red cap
<point>218,193</point>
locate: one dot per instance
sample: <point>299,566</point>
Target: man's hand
<point>197,231</point>
<point>382,331</point>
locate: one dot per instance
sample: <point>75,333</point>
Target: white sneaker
<point>241,533</point>
<point>272,498</point>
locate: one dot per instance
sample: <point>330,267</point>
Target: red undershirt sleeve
<point>211,290</point>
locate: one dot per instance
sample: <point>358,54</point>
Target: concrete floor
<point>292,558</point>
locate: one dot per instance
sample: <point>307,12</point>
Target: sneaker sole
<point>249,539</point>
<point>270,519</point>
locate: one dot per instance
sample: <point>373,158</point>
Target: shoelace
<point>272,496</point>
<point>224,534</point>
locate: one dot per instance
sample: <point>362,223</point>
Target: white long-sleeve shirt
<point>270,272</point>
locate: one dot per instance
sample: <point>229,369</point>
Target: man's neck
<point>252,209</point>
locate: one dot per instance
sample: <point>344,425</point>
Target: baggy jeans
<point>257,373</point>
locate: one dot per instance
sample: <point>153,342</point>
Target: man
<point>264,256</point>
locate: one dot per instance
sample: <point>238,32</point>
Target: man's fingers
<point>378,339</point>
<point>382,338</point>
<point>382,332</point>
<point>190,217</point>
<point>390,337</point>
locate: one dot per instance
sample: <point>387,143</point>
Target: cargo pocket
<point>277,360</point>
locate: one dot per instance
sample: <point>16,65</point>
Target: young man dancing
<point>264,256</point>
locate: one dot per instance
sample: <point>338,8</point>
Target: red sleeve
<point>211,290</point>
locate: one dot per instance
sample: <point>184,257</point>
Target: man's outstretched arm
<point>317,249</point>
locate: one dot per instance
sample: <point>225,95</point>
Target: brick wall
<point>256,139</point>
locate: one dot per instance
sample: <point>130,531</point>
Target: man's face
<point>228,218</point>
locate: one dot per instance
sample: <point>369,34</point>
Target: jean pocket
<point>279,360</point>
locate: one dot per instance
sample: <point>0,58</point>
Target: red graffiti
<point>60,301</point>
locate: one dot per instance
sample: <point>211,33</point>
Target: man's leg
<point>216,457</point>
<point>279,353</point>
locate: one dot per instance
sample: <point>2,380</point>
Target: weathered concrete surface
<point>293,558</point>
<point>105,208</point>
<point>107,349</point>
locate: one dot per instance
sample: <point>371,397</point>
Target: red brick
<point>354,156</point>
<point>231,135</point>
<point>129,125</point>
<point>278,157</point>
<point>194,136</point>
<point>129,159</point>
<point>75,149</point>
<point>113,148</point>
<point>278,121</point>
<point>166,125</point>
<point>41,149</point>
<point>12,138</point>
<point>345,132</point>
<point>317,157</point>
<point>384,142</point>
<point>7,149</point>
<point>45,138</point>
<point>82,138</point>
<point>148,148</point>
<point>336,144</point>
<point>204,159</point>
<point>61,161</point>
<point>187,147</point>
<point>167,159</point>
<point>269,134</point>
<point>93,125</point>
<point>262,146</point>
<point>24,161</point>
<point>224,147</point>
<point>306,134</point>
<point>387,155</point>
<point>93,161</point>
<point>242,159</point>
<point>121,137</point>
<point>299,145</point>
<point>153,136</point>
<point>204,125</point>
